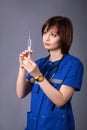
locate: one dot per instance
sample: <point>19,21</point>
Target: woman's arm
<point>58,97</point>
<point>23,87</point>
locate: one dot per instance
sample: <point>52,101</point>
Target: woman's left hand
<point>31,67</point>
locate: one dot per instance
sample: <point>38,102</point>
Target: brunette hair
<point>64,30</point>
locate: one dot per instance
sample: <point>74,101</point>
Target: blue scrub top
<point>44,114</point>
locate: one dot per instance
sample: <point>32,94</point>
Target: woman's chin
<point>47,48</point>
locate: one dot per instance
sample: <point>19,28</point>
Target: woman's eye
<point>45,32</point>
<point>53,35</point>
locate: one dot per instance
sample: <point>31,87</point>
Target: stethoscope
<point>32,80</point>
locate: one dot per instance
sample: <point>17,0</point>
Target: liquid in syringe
<point>29,45</point>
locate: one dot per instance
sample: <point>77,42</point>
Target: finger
<point>25,62</point>
<point>20,55</point>
<point>25,52</point>
<point>27,66</point>
<point>31,51</point>
<point>26,59</point>
<point>29,60</point>
<point>28,51</point>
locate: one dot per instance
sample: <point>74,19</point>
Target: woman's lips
<point>46,44</point>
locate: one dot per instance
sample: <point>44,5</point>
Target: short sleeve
<point>75,75</point>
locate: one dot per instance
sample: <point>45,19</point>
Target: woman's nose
<point>47,37</point>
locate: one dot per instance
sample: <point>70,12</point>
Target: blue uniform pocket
<point>55,122</point>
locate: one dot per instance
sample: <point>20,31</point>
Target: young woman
<point>52,80</point>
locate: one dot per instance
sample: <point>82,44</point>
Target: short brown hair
<point>65,31</point>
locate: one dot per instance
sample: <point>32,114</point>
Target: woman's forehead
<point>51,28</point>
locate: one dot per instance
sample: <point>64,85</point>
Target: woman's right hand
<point>22,55</point>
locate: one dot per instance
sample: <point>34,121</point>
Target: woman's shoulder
<point>74,60</point>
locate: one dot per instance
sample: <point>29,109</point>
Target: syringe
<point>29,45</point>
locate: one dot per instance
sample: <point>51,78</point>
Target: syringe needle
<point>29,44</point>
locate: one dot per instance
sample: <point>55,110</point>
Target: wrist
<point>39,78</point>
<point>22,70</point>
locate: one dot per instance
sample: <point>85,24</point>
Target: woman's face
<point>51,39</point>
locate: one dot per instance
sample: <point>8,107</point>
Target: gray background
<point>16,18</point>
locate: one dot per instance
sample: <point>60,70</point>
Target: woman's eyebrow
<point>53,31</point>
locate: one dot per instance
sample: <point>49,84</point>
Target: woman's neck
<point>55,55</point>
